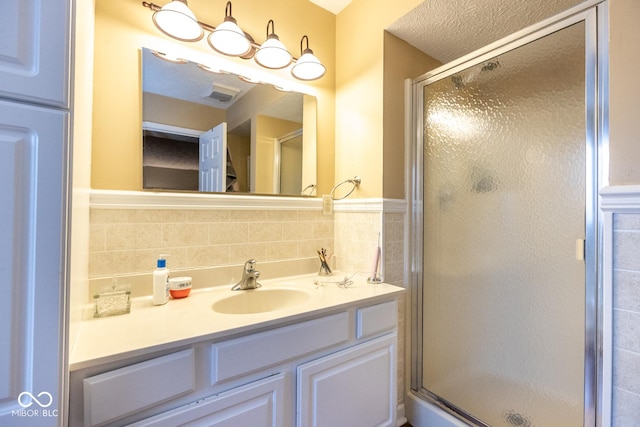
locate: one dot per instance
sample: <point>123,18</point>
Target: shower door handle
<point>580,249</point>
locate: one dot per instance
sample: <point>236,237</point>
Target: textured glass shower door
<point>503,314</point>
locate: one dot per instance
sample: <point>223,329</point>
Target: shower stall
<point>507,163</point>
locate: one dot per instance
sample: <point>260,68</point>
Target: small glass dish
<point>112,301</point>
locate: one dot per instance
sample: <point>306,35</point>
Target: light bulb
<point>228,38</point>
<point>273,54</point>
<point>176,20</point>
<point>308,67</point>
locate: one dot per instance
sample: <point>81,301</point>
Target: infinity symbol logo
<point>29,402</point>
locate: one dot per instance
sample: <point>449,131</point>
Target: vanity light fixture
<point>308,67</point>
<point>176,20</point>
<point>272,54</point>
<point>228,38</point>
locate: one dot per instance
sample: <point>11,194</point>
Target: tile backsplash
<point>356,236</point>
<point>128,241</point>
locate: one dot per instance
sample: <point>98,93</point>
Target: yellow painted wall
<point>624,107</point>
<point>175,112</point>
<point>240,148</point>
<point>122,27</point>
<point>401,61</point>
<point>268,129</point>
<point>359,90</point>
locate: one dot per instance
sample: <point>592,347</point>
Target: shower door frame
<point>594,13</point>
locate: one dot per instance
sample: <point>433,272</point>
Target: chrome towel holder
<point>355,181</point>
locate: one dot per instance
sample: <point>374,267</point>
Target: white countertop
<point>188,320</point>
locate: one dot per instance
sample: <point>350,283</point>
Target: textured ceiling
<point>449,29</point>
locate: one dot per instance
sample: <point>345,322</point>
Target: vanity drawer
<point>260,403</point>
<point>124,391</point>
<point>376,319</point>
<point>241,356</point>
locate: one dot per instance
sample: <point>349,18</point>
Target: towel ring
<point>312,189</point>
<point>355,181</point>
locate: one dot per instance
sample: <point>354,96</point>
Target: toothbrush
<point>323,260</point>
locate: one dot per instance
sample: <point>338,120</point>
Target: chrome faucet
<point>249,277</point>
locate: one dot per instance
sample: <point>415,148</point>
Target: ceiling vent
<point>222,93</point>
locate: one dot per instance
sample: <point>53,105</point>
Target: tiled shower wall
<point>626,320</point>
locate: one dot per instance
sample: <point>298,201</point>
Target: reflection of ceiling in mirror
<point>188,82</point>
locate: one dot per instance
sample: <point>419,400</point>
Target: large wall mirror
<point>206,130</point>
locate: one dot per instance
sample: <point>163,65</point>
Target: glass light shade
<point>272,54</point>
<point>308,67</point>
<point>176,20</point>
<point>229,39</point>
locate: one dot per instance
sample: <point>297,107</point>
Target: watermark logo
<point>47,400</point>
<point>26,400</point>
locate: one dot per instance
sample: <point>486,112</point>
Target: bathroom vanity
<point>327,359</point>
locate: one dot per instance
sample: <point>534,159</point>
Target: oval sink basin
<point>260,300</point>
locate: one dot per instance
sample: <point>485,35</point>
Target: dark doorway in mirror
<point>169,161</point>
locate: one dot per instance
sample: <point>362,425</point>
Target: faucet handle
<point>250,265</point>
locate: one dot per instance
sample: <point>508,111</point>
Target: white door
<point>213,159</point>
<point>509,185</point>
<point>33,224</point>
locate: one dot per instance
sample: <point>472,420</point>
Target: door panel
<point>213,159</point>
<point>34,51</point>
<point>33,224</point>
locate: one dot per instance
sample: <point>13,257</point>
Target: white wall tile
<point>626,320</point>
<point>626,408</point>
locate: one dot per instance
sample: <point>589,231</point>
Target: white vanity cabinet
<point>335,369</point>
<point>355,386</point>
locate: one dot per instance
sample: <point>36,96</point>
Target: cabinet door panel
<point>258,404</point>
<point>34,51</point>
<point>33,224</point>
<point>356,386</point>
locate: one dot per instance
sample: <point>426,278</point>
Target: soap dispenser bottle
<point>161,281</point>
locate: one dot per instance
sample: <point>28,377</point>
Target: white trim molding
<point>621,199</point>
<point>122,199</point>
<point>371,205</point>
<point>116,199</point>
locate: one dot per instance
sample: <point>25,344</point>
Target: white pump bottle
<point>161,281</point>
